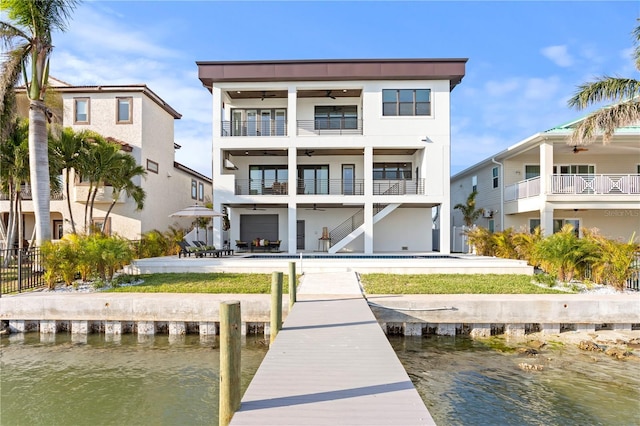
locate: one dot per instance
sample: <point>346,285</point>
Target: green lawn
<point>373,284</point>
<point>452,284</point>
<point>219,283</point>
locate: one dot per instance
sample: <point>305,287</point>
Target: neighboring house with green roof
<point>543,181</point>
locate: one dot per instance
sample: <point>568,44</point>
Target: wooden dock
<point>331,364</point>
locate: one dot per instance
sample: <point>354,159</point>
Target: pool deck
<point>331,364</point>
<point>391,263</point>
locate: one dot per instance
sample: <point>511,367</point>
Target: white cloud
<point>558,55</point>
<point>502,87</point>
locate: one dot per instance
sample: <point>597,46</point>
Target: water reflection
<point>63,380</point>
<point>466,382</point>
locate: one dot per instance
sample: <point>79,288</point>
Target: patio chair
<point>186,249</point>
<point>241,246</point>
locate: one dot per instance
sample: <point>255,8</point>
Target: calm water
<point>157,382</point>
<point>105,383</point>
<point>465,382</point>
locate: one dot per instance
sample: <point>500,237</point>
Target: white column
<point>292,113</point>
<point>445,206</point>
<point>292,207</point>
<point>217,159</point>
<point>546,170</point>
<point>368,205</point>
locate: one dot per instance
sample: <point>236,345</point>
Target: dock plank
<point>331,364</point>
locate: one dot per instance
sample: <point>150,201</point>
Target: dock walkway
<point>331,364</point>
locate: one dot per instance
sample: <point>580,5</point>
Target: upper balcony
<point>25,194</point>
<point>577,184</point>
<point>328,187</point>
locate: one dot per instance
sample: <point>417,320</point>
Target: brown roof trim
<point>142,88</point>
<point>123,145</point>
<point>452,69</point>
<point>192,172</point>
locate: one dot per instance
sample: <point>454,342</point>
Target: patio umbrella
<point>196,211</point>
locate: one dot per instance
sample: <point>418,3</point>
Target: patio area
<point>392,263</point>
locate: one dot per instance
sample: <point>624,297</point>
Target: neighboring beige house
<point>543,181</point>
<point>138,119</point>
<point>333,155</point>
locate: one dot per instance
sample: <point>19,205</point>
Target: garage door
<point>264,226</point>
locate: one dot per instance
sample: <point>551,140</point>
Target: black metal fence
<point>20,270</point>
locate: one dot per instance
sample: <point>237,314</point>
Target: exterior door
<point>281,122</point>
<point>265,123</point>
<point>348,179</point>
<point>300,234</point>
<point>252,123</point>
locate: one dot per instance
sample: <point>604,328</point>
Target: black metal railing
<point>272,127</point>
<point>20,270</point>
<point>399,187</point>
<point>330,126</point>
<point>303,186</point>
<point>346,227</point>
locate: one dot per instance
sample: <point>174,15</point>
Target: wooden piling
<point>276,305</point>
<point>230,369</point>
<point>292,284</point>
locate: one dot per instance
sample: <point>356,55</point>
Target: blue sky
<point>525,58</point>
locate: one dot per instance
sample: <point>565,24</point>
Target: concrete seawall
<point>476,315</point>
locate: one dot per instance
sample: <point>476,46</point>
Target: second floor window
<point>200,191</point>
<point>336,117</point>
<point>81,111</point>
<point>194,189</point>
<point>406,102</point>
<point>495,177</point>
<point>124,107</point>
<point>392,171</point>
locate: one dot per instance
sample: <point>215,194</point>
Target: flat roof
<point>452,69</point>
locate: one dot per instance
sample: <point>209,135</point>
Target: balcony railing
<point>337,126</point>
<point>523,189</point>
<point>586,184</point>
<point>329,187</point>
<point>399,187</point>
<point>273,127</point>
<point>25,194</point>
<point>595,184</point>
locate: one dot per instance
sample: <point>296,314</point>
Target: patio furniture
<point>265,245</point>
<point>186,249</point>
<point>241,246</point>
<point>225,251</point>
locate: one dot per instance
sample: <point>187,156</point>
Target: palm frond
<point>605,122</point>
<point>636,50</point>
<point>611,89</point>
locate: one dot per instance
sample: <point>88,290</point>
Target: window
<point>262,178</point>
<point>97,224</point>
<point>495,177</point>
<point>152,166</point>
<point>123,113</point>
<point>257,122</point>
<point>395,171</point>
<point>200,191</point>
<point>406,102</point>
<point>194,189</point>
<point>336,117</point>
<point>533,224</point>
<point>531,171</point>
<point>313,179</point>
<point>81,111</point>
<point>572,169</point>
<point>474,183</point>
<point>491,226</point>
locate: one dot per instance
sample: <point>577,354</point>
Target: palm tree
<point>624,95</point>
<point>468,210</point>
<point>67,148</point>
<point>14,171</point>
<point>29,34</point>
<point>124,172</point>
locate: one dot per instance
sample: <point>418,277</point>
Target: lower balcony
<point>328,187</point>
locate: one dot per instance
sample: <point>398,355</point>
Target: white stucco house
<point>138,119</point>
<point>333,155</point>
<point>543,181</point>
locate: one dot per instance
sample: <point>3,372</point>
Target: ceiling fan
<point>265,95</point>
<point>254,208</point>
<point>577,149</point>
<point>308,153</point>
<point>315,208</point>
<point>329,95</point>
<point>267,153</point>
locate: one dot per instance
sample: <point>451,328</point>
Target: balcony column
<point>292,114</point>
<point>369,197</point>
<point>292,217</point>
<point>546,173</point>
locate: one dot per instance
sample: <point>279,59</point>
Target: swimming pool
<point>348,256</point>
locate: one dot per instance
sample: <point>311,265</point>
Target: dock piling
<point>292,284</point>
<point>230,368</point>
<point>276,305</point>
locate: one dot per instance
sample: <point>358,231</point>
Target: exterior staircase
<point>353,227</point>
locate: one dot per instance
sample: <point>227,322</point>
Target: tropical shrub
<point>482,240</point>
<point>612,261</point>
<point>153,244</point>
<point>563,254</point>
